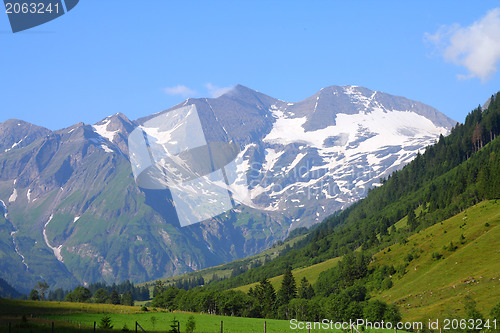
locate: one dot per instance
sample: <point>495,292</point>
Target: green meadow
<point>80,317</point>
<point>441,265</point>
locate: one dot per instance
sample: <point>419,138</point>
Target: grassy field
<point>436,288</point>
<point>80,317</point>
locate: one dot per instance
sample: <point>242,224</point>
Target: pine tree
<point>190,325</point>
<point>159,288</point>
<point>288,288</point>
<point>105,323</point>
<point>306,291</point>
<point>412,220</point>
<point>174,326</point>
<point>114,297</point>
<point>264,298</point>
<point>128,299</point>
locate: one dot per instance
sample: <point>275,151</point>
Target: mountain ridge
<point>77,208</point>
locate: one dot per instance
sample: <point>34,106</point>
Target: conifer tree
<point>288,288</point>
<point>306,291</point>
<point>114,297</point>
<point>105,323</point>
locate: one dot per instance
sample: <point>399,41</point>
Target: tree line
<point>125,293</point>
<point>341,293</point>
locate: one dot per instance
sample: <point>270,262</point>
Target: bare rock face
<point>18,134</point>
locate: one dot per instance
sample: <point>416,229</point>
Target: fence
<point>93,328</point>
<point>138,328</point>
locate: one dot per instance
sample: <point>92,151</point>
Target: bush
<point>437,256</point>
<point>105,323</point>
<point>190,325</point>
<point>409,257</point>
<point>34,295</point>
<point>386,283</point>
<point>173,326</point>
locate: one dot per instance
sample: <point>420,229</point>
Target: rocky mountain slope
<point>73,212</point>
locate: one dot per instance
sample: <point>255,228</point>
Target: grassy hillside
<point>311,273</point>
<point>437,267</point>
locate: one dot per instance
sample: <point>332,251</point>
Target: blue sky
<point>139,58</point>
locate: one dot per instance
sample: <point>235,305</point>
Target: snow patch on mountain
<point>103,131</point>
<point>13,196</point>
<point>272,156</point>
<point>56,250</point>
<point>13,234</point>
<point>296,161</point>
<point>389,127</point>
<point>106,148</point>
<point>16,143</point>
<point>4,208</point>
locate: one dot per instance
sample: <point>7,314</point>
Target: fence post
<point>9,326</point>
<point>52,327</point>
<point>94,326</point>
<point>221,327</point>
<point>178,326</point>
<point>135,327</point>
<point>265,327</point>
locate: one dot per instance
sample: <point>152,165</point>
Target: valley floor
<point>80,317</point>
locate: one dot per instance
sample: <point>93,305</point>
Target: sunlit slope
<point>469,266</point>
<point>311,273</point>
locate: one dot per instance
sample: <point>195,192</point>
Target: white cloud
<point>476,47</point>
<point>180,90</point>
<point>215,91</point>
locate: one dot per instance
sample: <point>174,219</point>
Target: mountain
<point>311,158</point>
<point>423,245</point>
<point>7,291</point>
<point>74,213</point>
<point>18,134</point>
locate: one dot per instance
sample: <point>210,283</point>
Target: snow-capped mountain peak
<point>322,153</point>
<point>115,129</point>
